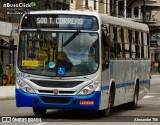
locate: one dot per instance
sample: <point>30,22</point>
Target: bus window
<point>130,42</point>
<point>112,42</point>
<point>148,45</point>
<point>142,45</point>
<point>123,44</point>
<point>133,45</point>
<point>105,54</point>
<point>126,42</point>
<point>146,52</point>
<point>137,44</point>
<point>119,45</point>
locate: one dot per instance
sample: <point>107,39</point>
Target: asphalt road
<point>148,109</point>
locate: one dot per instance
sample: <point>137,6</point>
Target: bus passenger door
<point>105,68</point>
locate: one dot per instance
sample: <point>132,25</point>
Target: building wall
<point>5,28</point>
<point>101,5</point>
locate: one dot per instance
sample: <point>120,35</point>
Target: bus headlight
<point>24,87</point>
<point>89,88</point>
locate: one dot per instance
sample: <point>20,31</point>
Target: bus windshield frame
<point>79,63</point>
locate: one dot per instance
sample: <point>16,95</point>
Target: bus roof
<point>103,17</point>
<point>64,12</point>
<point>123,22</point>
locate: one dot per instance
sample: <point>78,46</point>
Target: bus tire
<point>39,111</point>
<point>106,112</point>
<point>133,105</point>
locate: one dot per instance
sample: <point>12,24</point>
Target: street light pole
<point>144,10</point>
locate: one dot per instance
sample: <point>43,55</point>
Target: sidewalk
<point>155,76</point>
<point>7,92</point>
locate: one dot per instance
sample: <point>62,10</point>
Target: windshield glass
<point>58,53</point>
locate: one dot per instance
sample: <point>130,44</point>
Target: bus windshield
<point>58,53</point>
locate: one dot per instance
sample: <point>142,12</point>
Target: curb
<point>7,98</point>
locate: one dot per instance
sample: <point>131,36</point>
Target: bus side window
<point>105,52</point>
<point>142,45</point>
<point>130,42</point>
<point>133,45</point>
<point>112,42</point>
<point>126,42</point>
<point>119,43</point>
<point>148,45</point>
<point>137,44</point>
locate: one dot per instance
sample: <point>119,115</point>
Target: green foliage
<point>10,72</point>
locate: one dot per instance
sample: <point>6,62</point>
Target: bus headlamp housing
<point>89,88</point>
<point>24,87</point>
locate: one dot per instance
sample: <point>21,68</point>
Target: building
<point>98,6</point>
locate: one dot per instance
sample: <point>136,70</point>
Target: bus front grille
<point>60,92</point>
<point>57,84</point>
<point>55,100</point>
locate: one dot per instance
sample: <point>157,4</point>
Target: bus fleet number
<point>42,20</point>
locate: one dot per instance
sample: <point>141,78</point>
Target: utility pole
<point>144,11</point>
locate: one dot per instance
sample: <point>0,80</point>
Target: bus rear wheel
<point>39,111</point>
<point>133,105</point>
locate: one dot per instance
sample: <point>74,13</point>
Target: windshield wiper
<point>71,38</point>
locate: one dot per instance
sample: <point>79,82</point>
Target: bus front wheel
<point>106,112</point>
<point>39,111</point>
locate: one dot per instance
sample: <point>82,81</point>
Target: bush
<point>8,76</point>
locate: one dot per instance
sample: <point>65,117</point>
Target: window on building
<point>95,4</point>
<point>86,3</point>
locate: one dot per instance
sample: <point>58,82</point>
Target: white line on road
<point>41,123</point>
<point>154,93</point>
<point>158,98</point>
<point>58,120</point>
<point>145,97</point>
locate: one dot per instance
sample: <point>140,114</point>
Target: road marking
<point>154,93</point>
<point>58,120</point>
<point>41,123</point>
<point>158,98</point>
<point>145,97</point>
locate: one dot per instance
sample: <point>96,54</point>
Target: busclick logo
<point>19,5</point>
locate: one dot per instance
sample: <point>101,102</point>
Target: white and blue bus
<point>81,60</point>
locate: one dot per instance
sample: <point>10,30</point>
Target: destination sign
<point>60,22</point>
<point>50,20</point>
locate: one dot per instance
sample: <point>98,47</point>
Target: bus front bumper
<point>90,102</point>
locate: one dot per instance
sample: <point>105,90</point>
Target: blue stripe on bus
<point>125,84</point>
<point>144,81</point>
<point>105,87</point>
